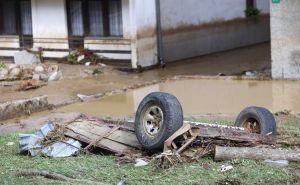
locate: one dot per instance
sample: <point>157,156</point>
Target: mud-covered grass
<point>107,169</point>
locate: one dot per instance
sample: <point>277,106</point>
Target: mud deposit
<point>200,96</point>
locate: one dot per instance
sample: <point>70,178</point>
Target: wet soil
<point>77,82</point>
<point>202,97</point>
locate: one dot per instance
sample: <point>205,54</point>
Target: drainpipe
<point>160,50</point>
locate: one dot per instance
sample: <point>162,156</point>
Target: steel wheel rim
<point>153,120</point>
<point>252,125</point>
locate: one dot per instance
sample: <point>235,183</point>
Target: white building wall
<point>285,36</point>
<point>194,12</point>
<point>49,19</point>
<point>49,26</point>
<point>263,6</point>
<point>143,29</point>
<point>196,27</point>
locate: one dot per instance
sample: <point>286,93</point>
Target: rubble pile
<point>82,56</point>
<point>43,72</point>
<point>190,143</point>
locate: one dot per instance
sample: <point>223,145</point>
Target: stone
<point>12,66</point>
<point>44,77</point>
<point>15,72</point>
<point>39,69</point>
<point>36,77</point>
<point>24,57</point>
<point>140,162</point>
<point>53,68</point>
<point>55,76</point>
<point>89,71</point>
<point>3,72</point>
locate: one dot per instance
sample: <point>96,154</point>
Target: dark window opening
<point>93,18</point>
<point>250,3</point>
<point>16,19</point>
<point>8,17</point>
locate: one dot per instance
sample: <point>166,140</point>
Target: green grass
<point>106,168</point>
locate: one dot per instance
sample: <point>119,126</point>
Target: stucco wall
<point>49,19</point>
<point>285,39</point>
<point>196,27</point>
<point>143,29</point>
<point>263,6</point>
<point>49,26</point>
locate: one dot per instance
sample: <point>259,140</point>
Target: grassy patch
<point>106,169</point>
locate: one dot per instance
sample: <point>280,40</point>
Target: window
<point>8,17</point>
<point>16,19</point>
<point>94,18</point>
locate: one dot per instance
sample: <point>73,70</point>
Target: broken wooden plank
<point>120,141</point>
<point>228,153</point>
<point>96,129</point>
<point>231,134</point>
<point>101,137</point>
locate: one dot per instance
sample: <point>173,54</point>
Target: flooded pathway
<point>200,96</point>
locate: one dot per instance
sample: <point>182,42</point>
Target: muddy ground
<point>76,81</point>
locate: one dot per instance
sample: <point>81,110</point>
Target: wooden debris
<point>228,153</point>
<point>54,176</point>
<point>117,140</point>
<point>190,132</point>
<point>31,84</point>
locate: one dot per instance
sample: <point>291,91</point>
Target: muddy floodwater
<point>200,96</point>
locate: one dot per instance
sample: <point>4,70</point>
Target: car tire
<point>257,120</point>
<point>159,116</point>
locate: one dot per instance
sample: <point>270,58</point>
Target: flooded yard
<point>201,96</point>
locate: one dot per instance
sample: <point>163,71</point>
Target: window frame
<point>86,22</point>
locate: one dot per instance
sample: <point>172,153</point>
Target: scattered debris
<point>96,71</point>
<point>140,162</point>
<point>34,144</point>
<point>101,134</point>
<point>10,144</point>
<point>278,163</point>
<point>3,73</point>
<point>122,182</point>
<point>55,73</point>
<point>25,57</point>
<point>82,56</point>
<point>250,73</point>
<point>85,98</point>
<point>39,69</point>
<point>65,139</point>
<point>31,84</point>
<point>54,176</point>
<point>225,168</point>
<point>23,107</point>
<point>31,72</point>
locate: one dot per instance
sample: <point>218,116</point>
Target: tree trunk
<point>227,153</point>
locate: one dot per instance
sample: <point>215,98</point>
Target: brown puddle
<point>201,96</point>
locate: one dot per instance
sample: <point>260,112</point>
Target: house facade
<point>134,32</point>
